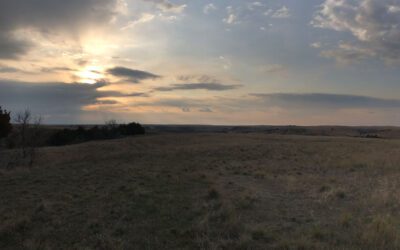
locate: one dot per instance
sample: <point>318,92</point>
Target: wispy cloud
<point>252,12</point>
<point>132,75</point>
<point>168,6</point>
<point>281,13</point>
<point>208,8</point>
<point>198,86</point>
<point>7,69</point>
<point>197,78</point>
<point>324,100</point>
<point>144,18</point>
<point>273,69</point>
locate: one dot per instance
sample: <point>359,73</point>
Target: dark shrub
<point>72,136</point>
<point>63,137</point>
<point>132,129</point>
<point>5,125</point>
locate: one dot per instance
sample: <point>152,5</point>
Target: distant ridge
<point>326,130</point>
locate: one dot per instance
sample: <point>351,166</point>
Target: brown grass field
<point>205,191</point>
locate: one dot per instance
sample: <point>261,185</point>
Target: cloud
<point>201,110</point>
<point>12,47</point>
<point>49,17</point>
<point>68,15</point>
<point>232,17</point>
<point>167,6</point>
<point>186,109</point>
<point>347,53</point>
<point>273,69</point>
<point>198,86</point>
<point>144,18</point>
<point>226,63</point>
<point>6,69</point>
<point>254,13</point>
<point>205,110</point>
<point>316,45</point>
<point>197,78</point>
<point>325,101</point>
<point>69,103</point>
<point>56,69</point>
<point>55,99</point>
<point>132,74</point>
<point>183,104</point>
<point>281,13</point>
<point>373,24</point>
<point>137,95</point>
<point>107,102</point>
<point>255,5</point>
<point>208,8</point>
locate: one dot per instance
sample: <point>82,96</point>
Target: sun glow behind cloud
<point>90,74</point>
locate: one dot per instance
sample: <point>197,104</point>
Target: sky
<point>236,62</point>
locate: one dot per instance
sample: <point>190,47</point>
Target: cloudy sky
<point>202,62</point>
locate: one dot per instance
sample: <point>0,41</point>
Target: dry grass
<point>206,191</point>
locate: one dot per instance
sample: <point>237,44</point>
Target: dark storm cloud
<point>198,86</point>
<point>53,98</point>
<point>132,74</point>
<point>49,17</point>
<point>322,100</point>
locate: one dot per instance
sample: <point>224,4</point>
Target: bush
<point>131,129</point>
<point>5,125</point>
<point>72,136</point>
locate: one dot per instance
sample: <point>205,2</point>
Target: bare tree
<point>34,139</point>
<point>111,124</point>
<point>28,134</point>
<point>23,120</point>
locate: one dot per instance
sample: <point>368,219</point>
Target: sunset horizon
<point>322,62</point>
<point>199,124</point>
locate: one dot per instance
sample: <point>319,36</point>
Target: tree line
<point>108,131</point>
<point>25,132</point>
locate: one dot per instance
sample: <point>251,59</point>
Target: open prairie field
<point>205,191</point>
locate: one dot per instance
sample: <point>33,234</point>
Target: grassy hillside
<point>205,191</point>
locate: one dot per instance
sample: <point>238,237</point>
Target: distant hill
<point>365,132</point>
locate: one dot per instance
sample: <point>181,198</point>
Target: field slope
<point>206,191</point>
